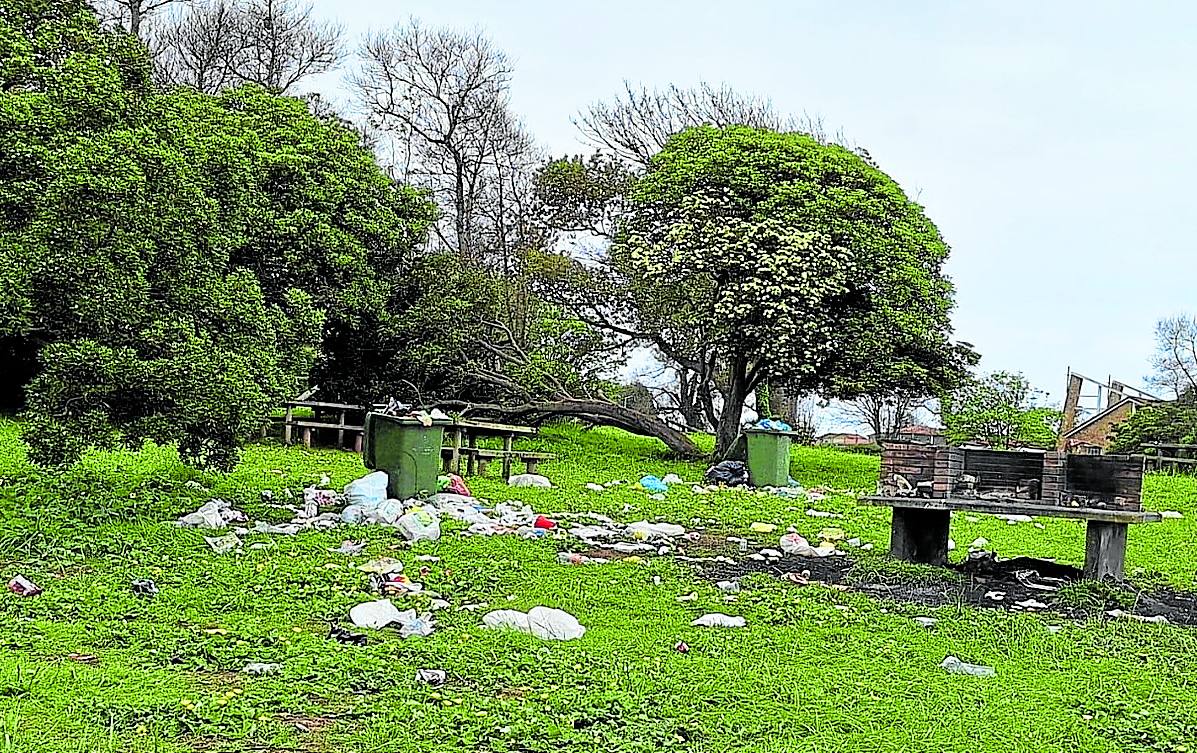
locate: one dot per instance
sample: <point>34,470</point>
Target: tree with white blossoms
<point>790,261</point>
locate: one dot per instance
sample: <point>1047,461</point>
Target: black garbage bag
<point>728,473</point>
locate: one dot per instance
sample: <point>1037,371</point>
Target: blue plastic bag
<point>654,485</point>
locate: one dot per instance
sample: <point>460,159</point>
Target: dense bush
<point>173,264</point>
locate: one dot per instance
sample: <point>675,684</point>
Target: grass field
<point>815,670</point>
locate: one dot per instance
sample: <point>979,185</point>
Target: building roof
<point>929,431</point>
<point>1102,414</point>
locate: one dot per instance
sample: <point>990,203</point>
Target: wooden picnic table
<point>467,431</point>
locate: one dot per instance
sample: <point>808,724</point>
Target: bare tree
<point>283,44</point>
<point>884,414</point>
<point>445,96</point>
<point>219,44</point>
<point>132,15</point>
<point>637,124</point>
<point>201,48</point>
<point>1175,359</point>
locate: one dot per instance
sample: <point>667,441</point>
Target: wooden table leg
<point>920,535</point>
<point>287,426</point>
<point>507,442</point>
<point>455,456</point>
<point>341,433</point>
<point>472,440</point>
<point>1105,549</point>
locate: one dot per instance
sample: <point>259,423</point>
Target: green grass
<point>816,669</point>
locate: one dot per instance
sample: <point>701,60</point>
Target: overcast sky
<point>1052,143</point>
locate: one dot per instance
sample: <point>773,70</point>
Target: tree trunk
<point>783,404</point>
<point>598,411</point>
<point>734,397</point>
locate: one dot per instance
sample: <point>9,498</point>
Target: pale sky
<point>1053,143</point>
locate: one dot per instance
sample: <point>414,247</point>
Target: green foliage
<point>1001,410</point>
<point>787,261</point>
<point>170,260</point>
<point>1172,422</point>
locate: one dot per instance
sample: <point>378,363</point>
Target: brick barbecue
<point>1052,478</point>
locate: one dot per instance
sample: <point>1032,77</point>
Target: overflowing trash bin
<point>768,455</point>
<point>408,449</point>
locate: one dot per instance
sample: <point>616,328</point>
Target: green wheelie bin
<point>407,450</point>
<point>768,457</point>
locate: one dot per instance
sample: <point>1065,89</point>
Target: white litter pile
<point>641,536</point>
<point>213,514</point>
<point>382,613</point>
<point>542,622</point>
<point>719,620</point>
<point>793,543</point>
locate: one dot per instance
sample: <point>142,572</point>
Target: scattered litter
<point>645,531</point>
<point>595,487</point>
<point>1053,629</point>
<point>1014,519</point>
<point>527,480</point>
<point>837,534</point>
<point>543,523</point>
<point>573,558</point>
<point>341,635</point>
<point>419,525</point>
<point>1040,526</point>
<point>822,514</point>
<point>147,588</point>
<point>1157,619</point>
<point>369,491</point>
<point>427,558</point>
<point>972,518</point>
<point>979,543</point>
<point>1031,579</point>
<point>22,586</point>
<point>927,622</point>
<point>83,658</point>
<point>672,478</point>
<point>727,473</point>
<point>214,514</point>
<point>951,545</point>
<point>1030,604</point>
<point>692,596</point>
<point>453,484</point>
<point>717,619</point>
<point>260,668</point>
<point>382,566</point>
<point>411,624</point>
<point>729,586</point>
<point>542,622</point>
<point>793,543</point>
<point>772,424</point>
<point>349,547</point>
<point>957,667</point>
<point>223,544</point>
<point>375,614</point>
<point>433,677</point>
<point>762,528</point>
<point>1173,514</point>
<point>772,554</point>
<point>996,595</point>
<point>653,484</point>
<point>681,647</point>
<point>802,578</point>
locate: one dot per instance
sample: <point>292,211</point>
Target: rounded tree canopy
<point>800,259</point>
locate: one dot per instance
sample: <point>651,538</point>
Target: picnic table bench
<point>1104,491</point>
<point>462,437</point>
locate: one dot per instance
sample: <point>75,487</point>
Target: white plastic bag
<point>530,480</point>
<point>719,620</point>
<point>543,622</point>
<point>375,614</point>
<point>645,531</point>
<point>419,525</point>
<point>957,667</point>
<point>369,491</point>
<point>387,512</point>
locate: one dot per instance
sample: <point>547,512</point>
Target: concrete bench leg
<point>920,535</point>
<point>532,463</point>
<point>482,463</point>
<point>1105,549</point>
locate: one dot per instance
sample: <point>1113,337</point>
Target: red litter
<point>543,522</point>
<point>22,586</point>
<point>681,648</point>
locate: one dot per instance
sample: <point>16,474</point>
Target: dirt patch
<point>982,583</point>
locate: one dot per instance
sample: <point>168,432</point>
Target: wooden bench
<point>477,459</point>
<point>919,531</point>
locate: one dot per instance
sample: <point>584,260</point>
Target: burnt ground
<point>968,583</point>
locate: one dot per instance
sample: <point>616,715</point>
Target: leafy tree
<point>171,258</point>
<point>1000,409</point>
<point>1173,422</point>
<point>751,256</point>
